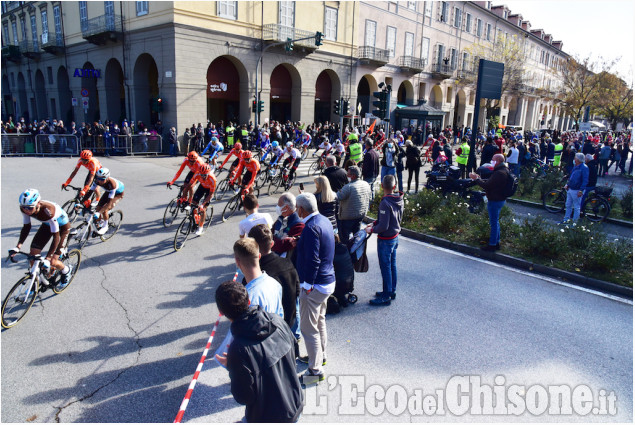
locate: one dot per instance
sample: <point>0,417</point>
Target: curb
<point>622,223</point>
<point>518,263</point>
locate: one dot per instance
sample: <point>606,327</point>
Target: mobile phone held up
<point>301,186</point>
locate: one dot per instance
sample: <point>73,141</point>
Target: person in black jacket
<point>488,152</point>
<point>337,176</point>
<point>413,164</point>
<point>260,360</point>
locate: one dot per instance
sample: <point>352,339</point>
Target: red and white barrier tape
<point>190,389</point>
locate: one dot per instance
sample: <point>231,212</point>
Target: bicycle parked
<point>22,295</point>
<point>596,207</point>
<point>88,228</point>
<point>69,206</point>
<point>191,223</point>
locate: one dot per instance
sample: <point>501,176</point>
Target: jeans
<point>387,254</point>
<point>173,149</point>
<point>371,183</point>
<point>346,227</point>
<point>494,210</point>
<point>295,329</point>
<point>515,168</point>
<point>400,178</point>
<point>573,202</point>
<point>387,170</point>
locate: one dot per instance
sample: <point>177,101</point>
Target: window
<point>479,28</point>
<point>57,19</point>
<point>5,33</point>
<point>542,56</point>
<point>34,32</point>
<point>49,73</point>
<point>425,49</point>
<point>466,59</point>
<point>287,13</point>
<point>142,7</point>
<point>489,32</point>
<point>457,17</point>
<point>468,22</point>
<point>371,28</point>
<point>226,9</point>
<point>330,23</point>
<point>443,6</point>
<point>23,27</point>
<point>14,27</point>
<point>109,11</point>
<point>83,15</point>
<point>440,54</point>
<point>410,41</point>
<point>391,41</point>
<point>428,9</point>
<point>412,5</point>
<point>547,59</point>
<point>453,58</point>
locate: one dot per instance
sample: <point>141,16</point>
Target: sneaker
<point>187,208</point>
<point>380,301</point>
<point>311,378</point>
<point>103,230</point>
<point>199,231</point>
<point>305,360</point>
<point>65,279</point>
<point>379,294</point>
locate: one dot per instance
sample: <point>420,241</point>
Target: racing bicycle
<point>88,228</point>
<point>69,206</point>
<point>191,223</point>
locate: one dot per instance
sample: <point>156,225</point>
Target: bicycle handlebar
<point>72,187</point>
<point>29,256</point>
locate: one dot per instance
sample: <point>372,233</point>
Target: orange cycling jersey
<point>253,166</point>
<point>208,183</point>
<point>238,153</point>
<point>193,167</point>
<point>92,165</point>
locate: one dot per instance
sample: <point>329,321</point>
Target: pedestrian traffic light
<point>261,106</point>
<point>289,46</point>
<point>318,38</point>
<point>159,105</point>
<point>337,109</point>
<point>381,103</point>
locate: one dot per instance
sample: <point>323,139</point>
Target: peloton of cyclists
<point>193,162</point>
<point>113,192</point>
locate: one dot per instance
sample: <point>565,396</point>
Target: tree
<point>615,99</point>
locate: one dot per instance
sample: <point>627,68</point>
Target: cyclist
<point>215,147</point>
<point>324,145</point>
<point>305,141</point>
<point>251,165</point>
<point>113,192</point>
<point>275,150</point>
<point>339,151</point>
<point>237,151</point>
<point>92,164</point>
<point>292,161</point>
<point>205,190</point>
<point>265,141</point>
<point>399,137</point>
<point>55,223</point>
<point>193,161</point>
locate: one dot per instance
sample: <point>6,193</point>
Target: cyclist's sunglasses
<point>29,208</point>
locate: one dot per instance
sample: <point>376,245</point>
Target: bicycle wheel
<point>69,207</point>
<point>171,212</point>
<point>72,259</point>
<point>222,189</point>
<point>314,168</point>
<point>290,181</point>
<point>231,207</point>
<point>114,221</point>
<point>554,201</point>
<point>596,209</point>
<point>183,232</point>
<point>274,185</point>
<point>261,179</point>
<point>209,212</point>
<point>18,302</point>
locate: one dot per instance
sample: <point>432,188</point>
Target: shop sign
<point>88,73</point>
<point>213,88</point>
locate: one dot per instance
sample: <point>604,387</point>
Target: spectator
<point>495,191</point>
<point>575,187</point>
<point>336,175</point>
<point>288,226</point>
<point>413,164</point>
<point>317,276</point>
<point>605,154</point>
<point>260,360</point>
<point>387,227</point>
<point>447,150</point>
<point>512,159</point>
<point>592,164</point>
<point>624,156</point>
<point>253,216</point>
<point>326,199</point>
<point>463,153</point>
<point>370,167</point>
<point>174,148</point>
<point>389,159</point>
<point>354,199</point>
<point>489,150</point>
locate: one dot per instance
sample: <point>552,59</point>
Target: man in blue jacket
<point>314,263</point>
<point>575,188</point>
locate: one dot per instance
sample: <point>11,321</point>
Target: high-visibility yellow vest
<point>557,153</point>
<point>465,153</point>
<point>229,133</point>
<point>356,152</point>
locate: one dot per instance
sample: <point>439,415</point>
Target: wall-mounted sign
<point>88,73</point>
<point>217,87</point>
<point>74,101</point>
<point>84,92</point>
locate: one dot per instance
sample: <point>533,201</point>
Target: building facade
<point>189,62</point>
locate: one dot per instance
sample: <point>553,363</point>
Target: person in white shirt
<point>250,203</point>
<point>512,159</point>
<point>324,145</point>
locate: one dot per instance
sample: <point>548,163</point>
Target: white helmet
<point>102,174</point>
<point>289,144</point>
<point>29,198</point>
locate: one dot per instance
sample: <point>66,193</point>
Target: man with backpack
<point>498,188</point>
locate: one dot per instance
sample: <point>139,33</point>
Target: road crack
<point>136,340</point>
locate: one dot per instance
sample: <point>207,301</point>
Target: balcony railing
<point>412,63</point>
<point>11,53</point>
<point>278,33</point>
<point>373,54</point>
<point>441,70</point>
<point>102,28</point>
<point>30,49</point>
<point>53,45</point>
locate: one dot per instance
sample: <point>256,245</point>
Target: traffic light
<point>346,109</point>
<point>254,106</point>
<point>159,105</point>
<point>261,106</point>
<point>381,103</point>
<point>318,38</point>
<point>337,110</point>
<point>289,46</point>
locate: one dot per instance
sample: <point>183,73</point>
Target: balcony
<point>372,55</point>
<point>102,29</point>
<point>53,45</point>
<point>468,73</point>
<point>525,88</point>
<point>11,53</point>
<point>30,49</point>
<point>274,33</point>
<point>439,70</point>
<point>411,64</point>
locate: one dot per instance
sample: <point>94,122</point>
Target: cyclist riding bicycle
<point>293,160</point>
<point>275,150</point>
<point>216,148</point>
<point>265,141</point>
<point>113,192</point>
<point>252,166</point>
<point>324,145</point>
<point>339,150</point>
<point>55,223</point>
<point>205,190</point>
<point>304,140</point>
<point>193,161</point>
<point>237,151</point>
<point>87,160</point>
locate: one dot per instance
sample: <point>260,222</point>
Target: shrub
<point>526,182</point>
<point>536,237</point>
<point>626,203</point>
<point>608,256</point>
<point>427,201</point>
<point>553,179</point>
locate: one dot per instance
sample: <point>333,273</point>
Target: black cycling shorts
<point>201,193</point>
<point>43,235</point>
<point>246,178</point>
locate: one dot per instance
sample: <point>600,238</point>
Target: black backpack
<point>512,184</point>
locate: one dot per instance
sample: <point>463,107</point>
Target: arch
<point>90,83</point>
<point>40,96</point>
<point>514,112</point>
<point>286,84</point>
<point>23,106</point>
<point>64,96</point>
<point>405,94</point>
<point>115,91</point>
<point>7,99</point>
<point>436,96</point>
<point>227,90</point>
<point>365,88</point>
<point>327,90</point>
<point>146,89</point>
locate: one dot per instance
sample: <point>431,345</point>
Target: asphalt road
<point>122,343</point>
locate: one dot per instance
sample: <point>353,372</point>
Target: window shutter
<point>434,53</point>
<point>439,10</point>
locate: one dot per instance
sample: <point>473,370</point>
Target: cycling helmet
<point>204,169</point>
<point>274,144</point>
<point>102,174</point>
<point>86,154</point>
<point>238,146</point>
<point>289,144</point>
<point>247,155</point>
<point>192,156</point>
<point>214,139</point>
<point>29,198</point>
